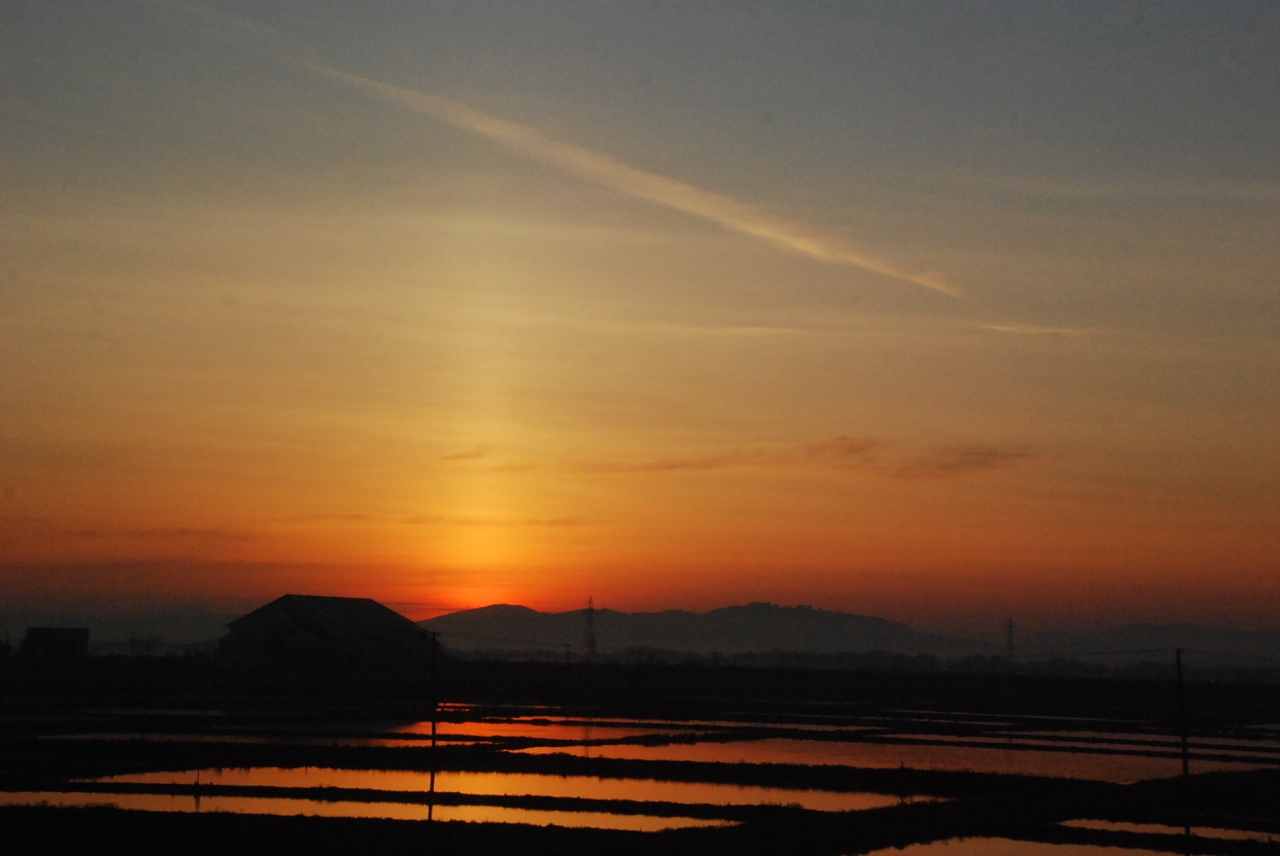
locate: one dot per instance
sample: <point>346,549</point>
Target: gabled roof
<point>338,617</point>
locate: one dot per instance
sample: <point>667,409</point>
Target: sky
<point>938,312</point>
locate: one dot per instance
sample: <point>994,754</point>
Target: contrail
<point>626,179</point>
<point>595,167</point>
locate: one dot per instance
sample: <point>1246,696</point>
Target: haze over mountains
<point>506,630</point>
<point>765,627</point>
<point>731,630</point>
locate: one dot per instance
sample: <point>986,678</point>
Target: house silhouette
<point>331,628</point>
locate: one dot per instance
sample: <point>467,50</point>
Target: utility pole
<point>432,657</point>
<point>1008,639</point>
<point>590,641</point>
<point>1182,714</point>
<point>1182,727</point>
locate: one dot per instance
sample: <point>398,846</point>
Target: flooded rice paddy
<point>518,784</point>
<point>1161,829</point>
<point>1098,766</point>
<point>540,789</point>
<point>339,808</point>
<point>1008,847</point>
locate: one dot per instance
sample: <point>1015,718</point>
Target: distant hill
<point>754,628</point>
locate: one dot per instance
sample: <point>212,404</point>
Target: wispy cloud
<point>162,533</point>
<point>438,520</point>
<point>330,518</point>
<point>462,520</point>
<point>844,453</point>
<point>842,449</point>
<point>675,465</point>
<point>474,453</point>
<point>833,452</point>
<point>961,460</point>
<point>616,175</point>
<point>865,455</point>
<point>1034,330</point>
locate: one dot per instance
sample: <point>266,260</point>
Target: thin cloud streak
<point>850,454</point>
<point>834,453</point>
<point>865,455</point>
<point>453,520</point>
<point>960,460</point>
<point>1034,330</point>
<point>438,520</point>
<point>162,533</point>
<point>631,181</point>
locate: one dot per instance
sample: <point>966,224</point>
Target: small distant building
<point>333,628</point>
<point>55,643</point>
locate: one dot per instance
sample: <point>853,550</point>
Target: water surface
<point>520,784</point>
<point>577,731</point>
<point>1121,769</point>
<point>1162,829</point>
<point>1007,847</point>
<point>385,811</point>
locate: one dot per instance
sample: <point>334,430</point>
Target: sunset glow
<point>674,306</point>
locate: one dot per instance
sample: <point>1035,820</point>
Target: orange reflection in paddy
<point>1122,769</point>
<point>1161,829</point>
<point>382,811</point>
<point>555,730</point>
<point>521,784</point>
<point>1008,847</point>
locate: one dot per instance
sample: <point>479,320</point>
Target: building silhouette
<point>333,629</point>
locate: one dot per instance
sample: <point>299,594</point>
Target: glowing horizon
<point>453,307</point>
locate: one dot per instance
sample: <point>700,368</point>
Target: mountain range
<point>504,629</point>
<point>756,627</point>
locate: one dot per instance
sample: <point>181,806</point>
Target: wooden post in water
<point>1182,728</point>
<point>433,656</point>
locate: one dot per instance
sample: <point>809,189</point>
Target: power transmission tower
<point>589,645</point>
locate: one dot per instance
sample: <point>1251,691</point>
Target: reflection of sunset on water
<point>387,811</point>
<point>1074,765</point>
<point>526,784</point>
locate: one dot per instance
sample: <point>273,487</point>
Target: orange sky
<point>455,308</point>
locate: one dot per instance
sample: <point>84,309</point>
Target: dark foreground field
<point>67,729</point>
<point>990,809</point>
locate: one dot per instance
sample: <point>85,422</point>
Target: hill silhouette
<point>754,628</point>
